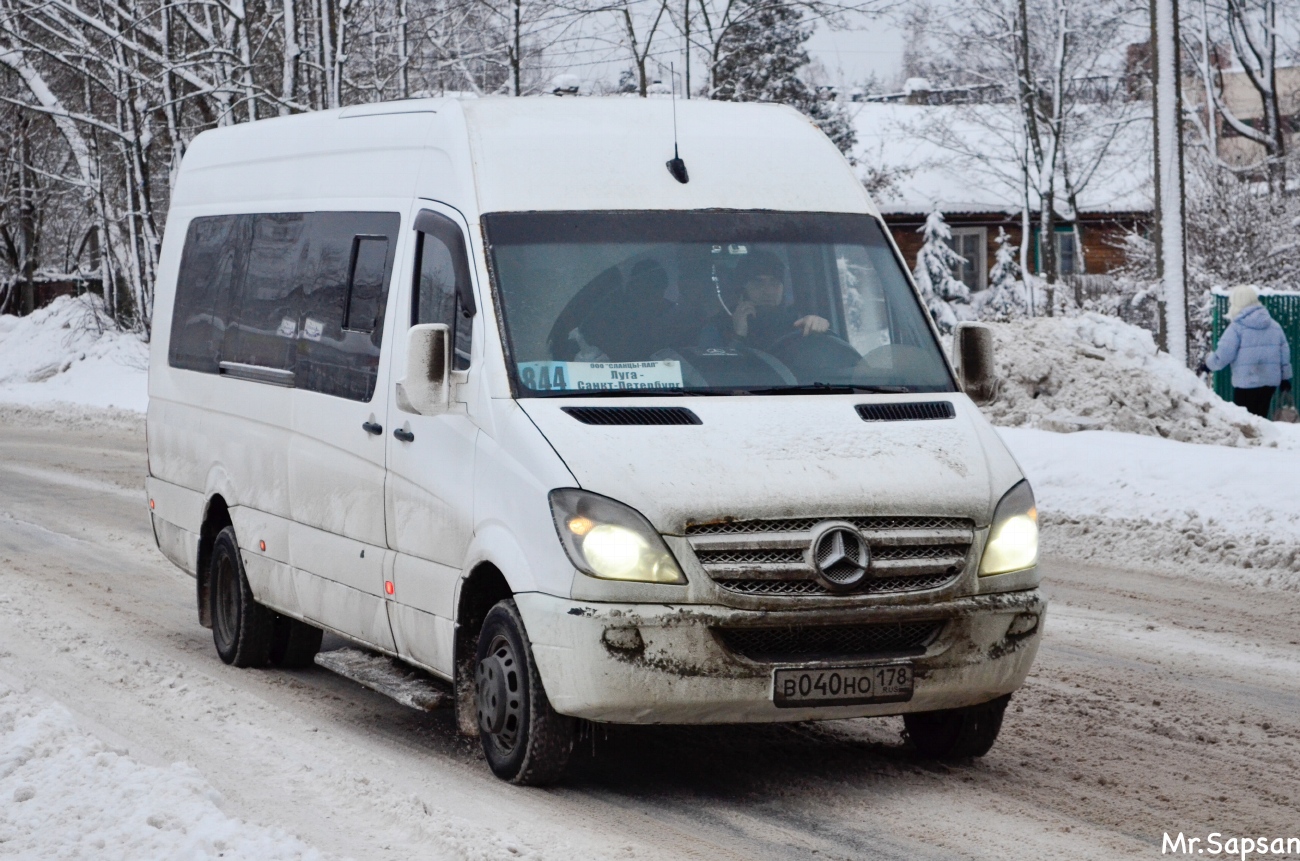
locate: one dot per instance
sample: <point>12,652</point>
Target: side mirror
<point>426,390</point>
<point>975,369</point>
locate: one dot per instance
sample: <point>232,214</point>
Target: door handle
<point>404,435</point>
<point>373,428</point>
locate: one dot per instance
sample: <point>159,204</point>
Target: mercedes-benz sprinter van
<point>592,429</point>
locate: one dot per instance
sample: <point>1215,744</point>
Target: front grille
<point>874,586</point>
<point>750,557</point>
<point>830,642</point>
<point>633,415</point>
<point>915,411</point>
<point>803,524</point>
<point>769,557</point>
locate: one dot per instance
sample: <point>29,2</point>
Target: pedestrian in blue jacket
<point>1256,348</point>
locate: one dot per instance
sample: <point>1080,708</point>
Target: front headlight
<point>607,539</point>
<point>1013,537</point>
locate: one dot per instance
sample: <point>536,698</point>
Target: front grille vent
<point>906,412</point>
<point>830,642</point>
<point>761,558</point>
<point>633,415</point>
<point>805,524</point>
<point>800,588</point>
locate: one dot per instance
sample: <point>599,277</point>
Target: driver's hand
<point>740,317</point>
<point>811,324</point>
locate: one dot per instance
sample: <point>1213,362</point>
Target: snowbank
<point>61,354</point>
<point>1094,372</point>
<point>1139,501</point>
<point>64,793</point>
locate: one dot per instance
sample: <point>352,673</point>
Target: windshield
<point>609,303</point>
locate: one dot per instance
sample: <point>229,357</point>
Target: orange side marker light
<point>262,546</point>
<point>151,505</point>
<point>388,586</point>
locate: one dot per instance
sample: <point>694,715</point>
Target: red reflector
<point>262,545</point>
<point>388,586</point>
<point>151,505</point>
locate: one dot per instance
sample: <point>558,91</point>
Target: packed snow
<point>66,793</point>
<point>67,352</point>
<point>1093,372</point>
<point>1140,501</point>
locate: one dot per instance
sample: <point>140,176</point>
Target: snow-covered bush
<point>947,299</point>
<point>1006,297</point>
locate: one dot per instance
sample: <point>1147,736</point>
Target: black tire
<point>294,644</point>
<point>241,627</point>
<point>956,733</point>
<point>525,740</point>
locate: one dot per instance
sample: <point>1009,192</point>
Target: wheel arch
<point>216,517</point>
<point>479,592</point>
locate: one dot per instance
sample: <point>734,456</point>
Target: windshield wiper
<point>828,389</point>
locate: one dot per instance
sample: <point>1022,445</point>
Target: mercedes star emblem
<point>841,557</point>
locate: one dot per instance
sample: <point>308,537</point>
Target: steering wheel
<point>815,353</point>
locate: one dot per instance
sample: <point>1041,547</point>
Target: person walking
<point>1256,348</point>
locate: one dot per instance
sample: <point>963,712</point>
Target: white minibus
<point>595,413</point>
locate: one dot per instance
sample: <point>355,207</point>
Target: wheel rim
<point>500,694</point>
<point>225,619</point>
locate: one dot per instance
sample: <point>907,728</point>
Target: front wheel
<point>956,733</point>
<point>525,740</point>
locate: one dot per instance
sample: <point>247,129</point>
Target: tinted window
<point>351,265</point>
<point>299,292</point>
<point>263,326</point>
<point>441,276</point>
<point>210,266</point>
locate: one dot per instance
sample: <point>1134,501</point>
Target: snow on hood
<point>782,456</point>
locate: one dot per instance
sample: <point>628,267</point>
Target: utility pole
<point>1171,232</point>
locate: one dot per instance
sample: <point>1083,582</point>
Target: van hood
<point>783,456</point>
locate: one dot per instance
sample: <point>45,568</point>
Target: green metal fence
<point>1285,309</point>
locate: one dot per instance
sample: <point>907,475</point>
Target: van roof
<point>529,154</point>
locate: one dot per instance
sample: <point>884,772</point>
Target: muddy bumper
<point>692,664</point>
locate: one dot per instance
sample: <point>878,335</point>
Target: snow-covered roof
<point>965,158</point>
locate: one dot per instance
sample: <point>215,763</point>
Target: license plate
<point>842,686</point>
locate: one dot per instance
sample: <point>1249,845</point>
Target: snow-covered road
<point>1157,704</point>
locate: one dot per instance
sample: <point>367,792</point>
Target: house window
<point>1068,261</point>
<point>970,243</point>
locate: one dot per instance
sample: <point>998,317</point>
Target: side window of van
<point>302,292</point>
<point>348,267</point>
<point>263,325</point>
<point>211,265</point>
<point>441,278</point>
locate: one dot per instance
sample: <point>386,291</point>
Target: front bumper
<point>655,663</point>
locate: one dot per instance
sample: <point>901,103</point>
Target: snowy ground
<point>1135,720</point>
<point>63,353</point>
<point>54,773</point>
<point>1158,703</point>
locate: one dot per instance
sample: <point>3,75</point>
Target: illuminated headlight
<point>607,539</point>
<point>1013,537</point>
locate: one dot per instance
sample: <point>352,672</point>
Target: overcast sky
<point>850,56</point>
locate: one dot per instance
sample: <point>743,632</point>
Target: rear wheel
<point>241,627</point>
<point>294,644</point>
<point>525,740</point>
<point>956,733</point>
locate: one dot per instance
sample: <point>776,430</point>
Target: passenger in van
<point>764,316</point>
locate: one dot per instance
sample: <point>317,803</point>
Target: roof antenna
<point>676,166</point>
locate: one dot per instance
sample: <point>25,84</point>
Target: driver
<point>762,318</point>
